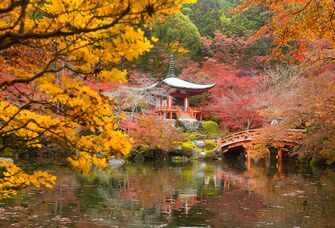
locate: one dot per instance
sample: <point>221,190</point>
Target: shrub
<point>193,136</point>
<point>211,128</point>
<point>210,154</point>
<point>210,144</point>
<point>151,133</point>
<point>188,148</point>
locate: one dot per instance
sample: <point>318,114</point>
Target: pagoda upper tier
<point>177,104</point>
<point>173,81</point>
<point>182,84</point>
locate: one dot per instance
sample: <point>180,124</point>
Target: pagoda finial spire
<point>171,73</point>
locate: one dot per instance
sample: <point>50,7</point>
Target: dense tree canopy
<point>302,31</point>
<point>48,47</point>
<point>178,33</point>
<point>299,21</point>
<point>206,16</point>
<point>244,23</point>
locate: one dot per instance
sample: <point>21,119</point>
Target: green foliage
<point>206,16</point>
<point>188,148</point>
<point>212,128</point>
<point>210,144</point>
<point>210,154</point>
<point>262,47</point>
<point>178,33</point>
<point>193,136</point>
<point>142,148</point>
<point>244,23</point>
<point>212,15</point>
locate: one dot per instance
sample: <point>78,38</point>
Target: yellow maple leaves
<point>23,123</point>
<point>14,179</point>
<point>83,109</point>
<point>113,75</point>
<point>85,161</point>
<point>67,41</point>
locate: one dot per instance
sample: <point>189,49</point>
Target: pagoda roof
<point>172,80</point>
<point>181,84</point>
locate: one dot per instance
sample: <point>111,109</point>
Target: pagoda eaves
<point>181,84</point>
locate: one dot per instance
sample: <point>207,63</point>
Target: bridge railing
<point>238,137</point>
<point>244,136</point>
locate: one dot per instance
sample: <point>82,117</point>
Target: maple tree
<point>150,132</point>
<point>233,99</point>
<point>302,32</point>
<point>227,49</point>
<point>47,49</point>
<point>297,24</point>
<point>234,50</point>
<point>307,103</point>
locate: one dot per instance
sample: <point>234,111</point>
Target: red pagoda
<point>177,104</point>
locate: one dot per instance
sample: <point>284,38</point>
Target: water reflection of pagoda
<point>177,104</point>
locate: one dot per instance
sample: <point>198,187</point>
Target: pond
<point>193,194</point>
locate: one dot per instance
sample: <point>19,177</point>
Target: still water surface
<point>193,194</point>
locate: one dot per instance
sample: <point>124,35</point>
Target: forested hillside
<point>270,60</point>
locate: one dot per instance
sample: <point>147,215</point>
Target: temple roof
<point>181,84</point>
<point>175,82</point>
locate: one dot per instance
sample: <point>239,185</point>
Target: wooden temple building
<point>177,104</point>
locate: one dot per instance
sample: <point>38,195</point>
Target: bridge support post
<point>280,161</point>
<point>280,154</point>
<point>249,161</point>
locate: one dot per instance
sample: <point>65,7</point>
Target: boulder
<point>202,155</point>
<point>199,143</point>
<point>116,163</point>
<point>6,159</point>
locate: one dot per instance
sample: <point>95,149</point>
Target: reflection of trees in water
<point>139,195</point>
<point>293,198</point>
<point>209,193</point>
<point>42,207</point>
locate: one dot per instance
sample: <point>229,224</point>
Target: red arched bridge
<point>246,138</point>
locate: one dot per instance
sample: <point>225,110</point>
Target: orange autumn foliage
<point>302,21</point>
<point>150,132</point>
